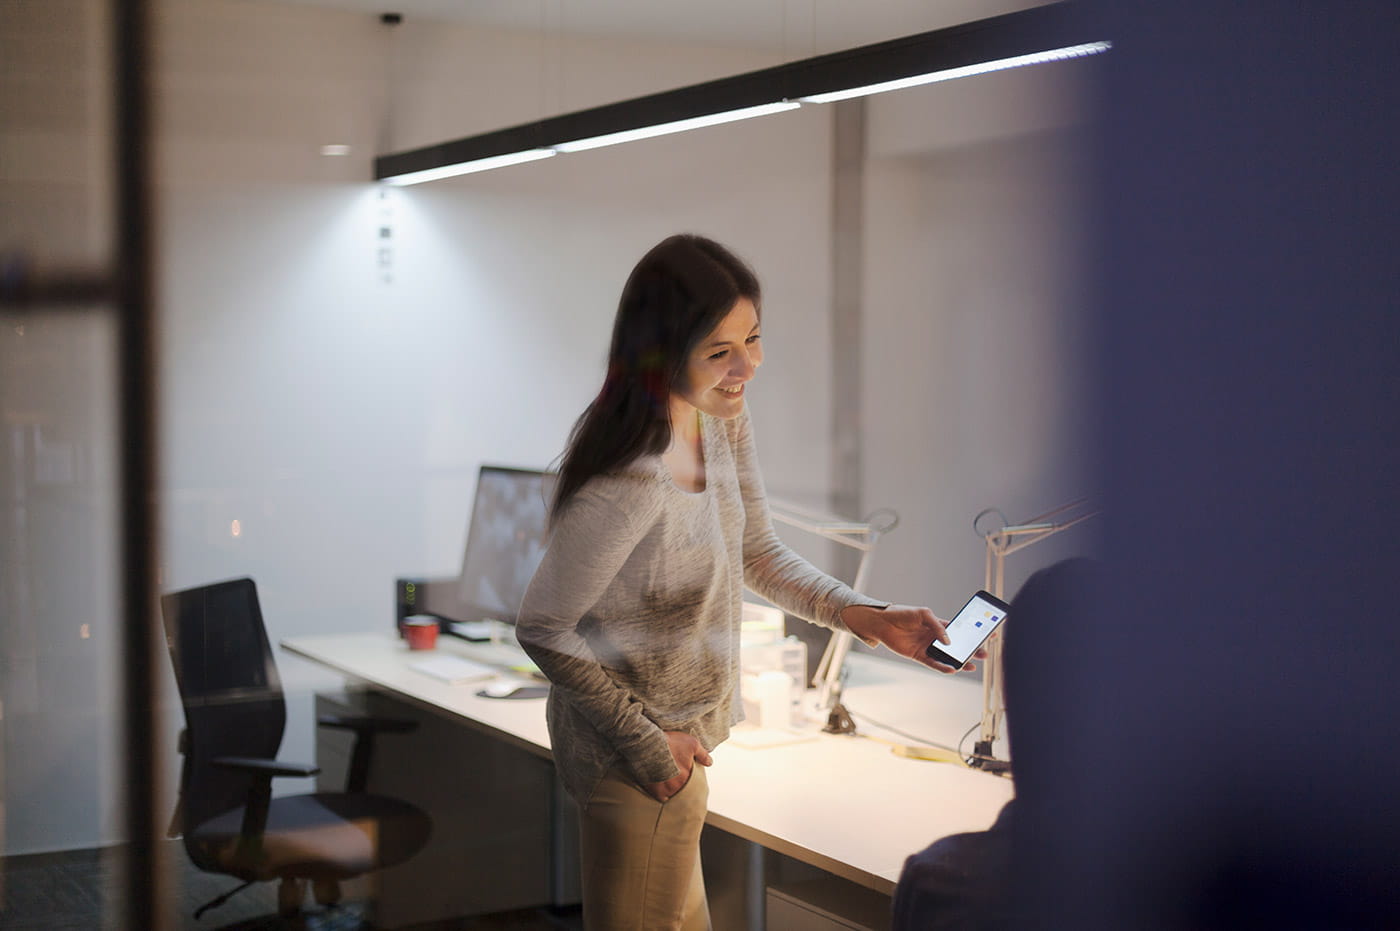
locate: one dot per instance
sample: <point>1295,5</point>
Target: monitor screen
<point>505,541</point>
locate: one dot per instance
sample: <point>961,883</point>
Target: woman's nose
<point>744,364</point>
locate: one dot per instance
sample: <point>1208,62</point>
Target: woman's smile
<point>726,360</point>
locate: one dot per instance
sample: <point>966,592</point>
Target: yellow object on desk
<point>935,754</point>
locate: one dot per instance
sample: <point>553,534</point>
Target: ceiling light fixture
<point>1040,34</point>
<point>454,169</point>
<point>1005,64</point>
<point>661,129</point>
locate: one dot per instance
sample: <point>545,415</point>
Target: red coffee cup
<point>421,633</point>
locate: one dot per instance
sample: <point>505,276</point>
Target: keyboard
<point>453,669</point>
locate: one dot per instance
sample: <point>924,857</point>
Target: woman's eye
<point>719,355</point>
<point>753,339</point>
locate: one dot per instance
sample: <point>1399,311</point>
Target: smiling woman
<point>724,362</point>
<point>671,338</point>
<point>713,384</point>
<point>659,523</point>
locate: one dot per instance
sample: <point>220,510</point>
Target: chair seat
<point>324,836</point>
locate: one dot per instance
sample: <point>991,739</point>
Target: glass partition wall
<point>76,575</point>
<point>338,361</point>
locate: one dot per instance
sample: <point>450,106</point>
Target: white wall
<point>339,361</point>
<point>336,406</point>
<point>973,282</point>
<point>319,404</point>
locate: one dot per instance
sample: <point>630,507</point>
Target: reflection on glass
<point>354,409</point>
<point>60,814</point>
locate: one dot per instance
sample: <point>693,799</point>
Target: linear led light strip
<point>1004,64</point>
<point>466,168</point>
<point>579,145</point>
<point>729,116</point>
<point>661,129</point>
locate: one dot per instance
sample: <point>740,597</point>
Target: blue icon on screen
<point>979,623</point>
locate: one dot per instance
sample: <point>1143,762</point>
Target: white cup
<point>774,688</point>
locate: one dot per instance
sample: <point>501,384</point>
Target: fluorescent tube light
<point>466,168</point>
<point>1059,54</point>
<point>661,129</point>
<point>1010,40</point>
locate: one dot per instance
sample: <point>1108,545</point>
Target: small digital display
<point>977,620</point>
<point>974,624</point>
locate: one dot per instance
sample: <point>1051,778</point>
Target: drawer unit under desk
<point>829,904</point>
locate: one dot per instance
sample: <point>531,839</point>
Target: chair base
<point>290,916</point>
<point>219,900</point>
<point>290,894</point>
<point>351,916</point>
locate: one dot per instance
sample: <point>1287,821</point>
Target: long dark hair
<point>676,296</point>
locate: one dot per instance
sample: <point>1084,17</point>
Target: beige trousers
<point>641,858</point>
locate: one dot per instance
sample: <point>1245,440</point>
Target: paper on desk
<point>755,738</point>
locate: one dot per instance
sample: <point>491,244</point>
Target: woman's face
<point>721,365</point>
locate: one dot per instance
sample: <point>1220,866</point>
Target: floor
<point>79,890</point>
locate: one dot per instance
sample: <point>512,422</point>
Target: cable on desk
<point>966,758</point>
<point>921,750</point>
<point>905,734</point>
<point>970,758</point>
<point>963,739</point>
<point>929,753</point>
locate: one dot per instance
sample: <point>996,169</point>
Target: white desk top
<point>845,804</point>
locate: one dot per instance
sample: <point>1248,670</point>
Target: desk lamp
<point>1001,542</point>
<point>861,536</point>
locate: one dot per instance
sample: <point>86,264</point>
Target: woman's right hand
<point>688,751</point>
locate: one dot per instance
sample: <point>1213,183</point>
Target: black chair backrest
<point>230,690</point>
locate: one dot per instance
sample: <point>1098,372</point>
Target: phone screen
<point>982,614</point>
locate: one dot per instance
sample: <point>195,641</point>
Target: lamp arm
<point>999,544</point>
<point>858,535</point>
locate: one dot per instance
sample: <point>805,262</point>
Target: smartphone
<point>969,629</point>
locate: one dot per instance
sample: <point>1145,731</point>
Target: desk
<point>846,805</point>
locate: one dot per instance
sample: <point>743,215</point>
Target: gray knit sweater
<point>634,611</point>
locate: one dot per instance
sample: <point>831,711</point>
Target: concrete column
<point>847,286</point>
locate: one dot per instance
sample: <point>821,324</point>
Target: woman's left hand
<point>904,629</point>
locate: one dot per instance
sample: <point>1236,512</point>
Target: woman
<point>659,522</point>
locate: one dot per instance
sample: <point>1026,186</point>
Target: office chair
<point>234,719</point>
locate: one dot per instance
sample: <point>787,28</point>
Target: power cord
<point>993,765</point>
<point>924,749</point>
<point>932,749</point>
<point>905,734</point>
<point>921,750</point>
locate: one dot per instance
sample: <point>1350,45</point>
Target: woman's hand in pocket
<point>688,751</point>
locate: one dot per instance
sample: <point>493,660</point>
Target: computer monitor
<point>505,541</point>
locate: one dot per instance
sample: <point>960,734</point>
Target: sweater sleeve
<point>591,542</point>
<point>772,569</point>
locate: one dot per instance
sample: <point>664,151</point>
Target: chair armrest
<point>364,724</point>
<point>259,795</point>
<point>365,728</point>
<point>269,768</point>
